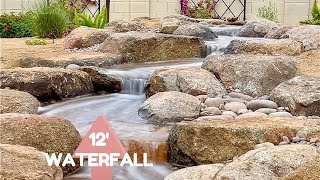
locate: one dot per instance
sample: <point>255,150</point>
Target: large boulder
<point>21,162</point>
<point>47,134</point>
<point>194,81</point>
<point>300,94</point>
<point>196,30</point>
<point>310,171</point>
<point>148,22</point>
<point>255,75</point>
<point>124,26</point>
<point>171,23</point>
<point>257,28</point>
<point>307,34</point>
<point>204,142</point>
<point>276,33</point>
<point>46,83</point>
<point>203,172</point>
<point>170,106</point>
<point>148,46</point>
<point>84,37</point>
<point>308,63</point>
<point>103,81</point>
<point>17,102</point>
<point>272,47</point>
<point>271,162</point>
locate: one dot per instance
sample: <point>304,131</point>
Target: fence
<point>289,11</point>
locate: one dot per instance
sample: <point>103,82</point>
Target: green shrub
<point>269,12</point>
<point>36,42</point>
<point>16,26</point>
<point>315,15</point>
<point>50,21</point>
<point>84,19</point>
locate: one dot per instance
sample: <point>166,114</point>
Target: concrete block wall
<point>289,11</point>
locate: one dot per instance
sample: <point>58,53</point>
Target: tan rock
<point>13,101</point>
<point>193,143</point>
<point>310,171</point>
<point>22,162</point>
<point>45,83</point>
<point>148,46</point>
<point>308,63</point>
<point>203,172</point>
<point>148,23</point>
<point>47,134</point>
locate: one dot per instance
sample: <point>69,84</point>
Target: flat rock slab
<point>148,46</point>
<point>265,46</point>
<point>194,81</point>
<point>301,94</point>
<point>205,142</point>
<point>13,101</point>
<point>23,162</point>
<point>254,75</point>
<point>46,133</point>
<point>97,59</point>
<point>47,83</point>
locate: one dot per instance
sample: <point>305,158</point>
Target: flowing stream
<point>121,110</point>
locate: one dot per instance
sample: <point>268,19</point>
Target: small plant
<point>84,19</point>
<point>16,25</point>
<point>36,42</point>
<point>269,12</point>
<point>315,15</point>
<point>204,9</point>
<point>50,21</point>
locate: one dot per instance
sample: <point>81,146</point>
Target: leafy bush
<point>50,20</point>
<point>84,19</point>
<point>16,26</point>
<point>270,12</point>
<point>36,42</point>
<point>315,15</point>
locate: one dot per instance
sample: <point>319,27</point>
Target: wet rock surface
<point>257,28</point>
<point>196,30</point>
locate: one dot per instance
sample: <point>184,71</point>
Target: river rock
<point>46,83</point>
<point>214,102</point>
<point>230,113</point>
<point>269,162</point>
<point>234,106</point>
<point>22,162</point>
<point>193,143</point>
<point>170,106</point>
<point>102,80</point>
<point>309,171</point>
<point>202,172</point>
<point>149,46</point>
<point>73,67</point>
<point>214,118</point>
<point>266,110</point>
<point>251,115</point>
<point>278,32</point>
<point>196,30</point>
<point>259,103</point>
<point>271,47</point>
<point>194,81</point>
<point>13,101</point>
<point>281,114</point>
<point>307,34</point>
<point>213,111</point>
<point>46,133</point>
<point>254,75</point>
<point>300,94</point>
<point>257,28</point>
<point>240,95</point>
<point>84,37</point>
<point>124,26</point>
<point>230,99</point>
